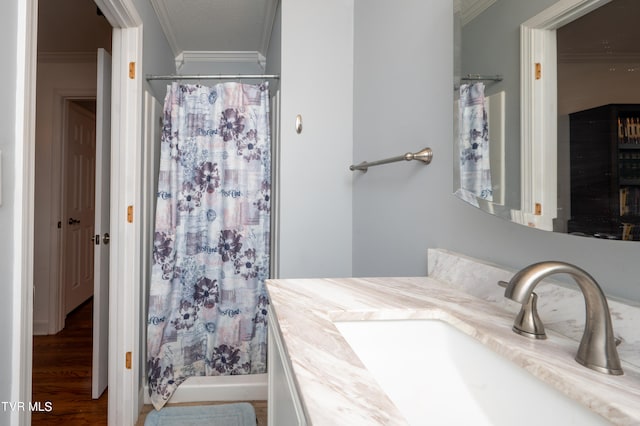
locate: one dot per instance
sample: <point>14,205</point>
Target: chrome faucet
<point>597,348</point>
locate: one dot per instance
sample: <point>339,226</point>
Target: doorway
<point>78,203</point>
<point>66,71</point>
<point>598,72</point>
<point>69,35</point>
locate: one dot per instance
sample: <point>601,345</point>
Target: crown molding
<point>67,57</point>
<point>269,19</point>
<point>470,9</point>
<point>590,57</point>
<point>220,57</point>
<point>120,13</point>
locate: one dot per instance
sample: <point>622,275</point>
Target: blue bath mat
<point>237,414</point>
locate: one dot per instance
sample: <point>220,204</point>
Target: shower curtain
<point>207,299</point>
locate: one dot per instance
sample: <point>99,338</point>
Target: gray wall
<point>490,46</point>
<point>403,101</point>
<point>274,57</point>
<point>8,72</point>
<point>157,57</point>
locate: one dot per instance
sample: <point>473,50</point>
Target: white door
<point>101,236</point>
<point>79,169</point>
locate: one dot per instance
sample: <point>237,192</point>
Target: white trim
<point>124,268</point>
<point>217,57</point>
<point>471,9</point>
<point>538,128</point>
<point>67,57</point>
<point>539,109</point>
<point>614,57</point>
<point>274,249</point>
<point>120,13</point>
<point>270,17</point>
<point>23,213</point>
<point>563,12</point>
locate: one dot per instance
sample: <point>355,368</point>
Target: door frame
<point>538,110</point>
<point>124,267</point>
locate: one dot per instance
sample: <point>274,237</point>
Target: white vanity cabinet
<point>284,407</point>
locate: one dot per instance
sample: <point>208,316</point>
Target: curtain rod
<point>480,77</point>
<point>214,77</point>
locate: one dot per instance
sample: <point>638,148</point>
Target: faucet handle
<point>527,322</point>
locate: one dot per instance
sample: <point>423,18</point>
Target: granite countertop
<point>335,387</point>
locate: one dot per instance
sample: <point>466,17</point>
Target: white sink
<point>436,374</point>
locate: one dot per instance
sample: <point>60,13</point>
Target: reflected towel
<point>473,141</point>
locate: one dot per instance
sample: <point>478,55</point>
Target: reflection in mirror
<point>596,63</point>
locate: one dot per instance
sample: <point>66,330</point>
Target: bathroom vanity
<point>412,349</point>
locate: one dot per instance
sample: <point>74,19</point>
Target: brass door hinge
<point>130,214</point>
<point>538,71</point>
<point>132,70</point>
<point>127,360</point>
<point>538,209</point>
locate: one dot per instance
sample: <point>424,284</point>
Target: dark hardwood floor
<point>62,374</point>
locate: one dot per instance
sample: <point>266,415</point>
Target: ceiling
<point>197,30</point>
<point>217,29</point>
<point>239,30</point>
<point>608,34</point>
<point>71,27</point>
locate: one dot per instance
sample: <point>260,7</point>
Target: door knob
<point>106,238</point>
<point>73,221</point>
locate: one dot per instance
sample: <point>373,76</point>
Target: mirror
<point>525,72</point>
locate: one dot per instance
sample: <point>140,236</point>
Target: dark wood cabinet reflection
<point>605,172</point>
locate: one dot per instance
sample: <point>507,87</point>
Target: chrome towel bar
<point>424,155</point>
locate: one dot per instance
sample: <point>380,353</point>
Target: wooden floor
<point>62,376</point>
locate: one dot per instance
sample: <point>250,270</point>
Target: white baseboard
<point>40,328</point>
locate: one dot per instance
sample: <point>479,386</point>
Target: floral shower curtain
<point>207,300</point>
